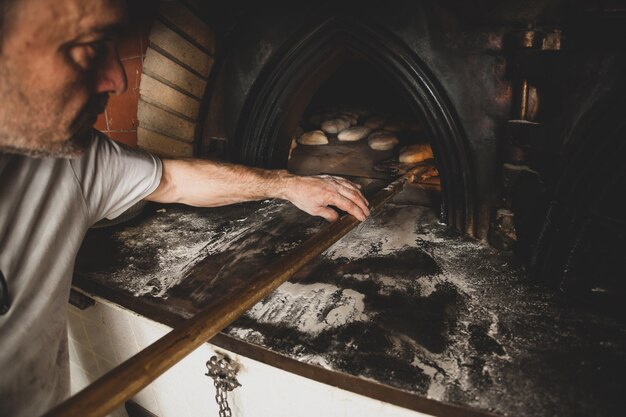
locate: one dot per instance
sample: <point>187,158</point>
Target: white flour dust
<point>172,261</point>
<point>176,242</point>
<point>305,307</point>
<point>358,244</point>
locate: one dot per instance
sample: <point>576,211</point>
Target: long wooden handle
<point>122,382</point>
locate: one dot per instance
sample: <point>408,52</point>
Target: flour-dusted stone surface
<point>382,140</point>
<point>179,251</point>
<point>413,154</point>
<point>315,137</point>
<point>353,134</point>
<point>403,301</point>
<point>334,126</point>
<point>400,301</point>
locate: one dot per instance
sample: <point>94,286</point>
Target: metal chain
<point>224,377</point>
<point>221,394</point>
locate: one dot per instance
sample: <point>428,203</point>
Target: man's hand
<point>203,183</point>
<point>314,195</point>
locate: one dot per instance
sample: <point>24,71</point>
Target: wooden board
<point>341,158</point>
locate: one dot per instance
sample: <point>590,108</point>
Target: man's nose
<point>111,75</point>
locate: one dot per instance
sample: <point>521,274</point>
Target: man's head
<point>58,63</point>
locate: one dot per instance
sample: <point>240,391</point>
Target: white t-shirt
<point>46,207</point>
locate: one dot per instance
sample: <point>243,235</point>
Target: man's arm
<point>203,183</point>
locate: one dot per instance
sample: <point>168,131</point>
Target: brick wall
<point>168,56</point>
<point>119,120</point>
<point>176,67</point>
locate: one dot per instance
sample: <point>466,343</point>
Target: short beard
<point>44,136</point>
<point>73,148</point>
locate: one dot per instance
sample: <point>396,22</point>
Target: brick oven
<point>522,105</point>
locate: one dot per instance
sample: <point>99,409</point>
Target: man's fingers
<point>324,191</point>
<point>356,197</point>
<point>342,180</point>
<point>349,189</point>
<point>347,183</point>
<point>348,197</point>
<point>327,213</point>
<point>348,206</point>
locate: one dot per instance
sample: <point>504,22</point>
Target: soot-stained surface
<point>400,301</point>
<point>404,302</point>
<point>191,257</point>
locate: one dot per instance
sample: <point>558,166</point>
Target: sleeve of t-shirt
<point>114,176</point>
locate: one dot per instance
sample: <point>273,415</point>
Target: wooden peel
<point>121,383</point>
<point>392,167</point>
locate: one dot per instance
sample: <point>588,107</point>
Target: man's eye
<point>97,47</point>
<point>88,55</point>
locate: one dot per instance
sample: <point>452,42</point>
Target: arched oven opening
<point>362,101</point>
<point>300,76</point>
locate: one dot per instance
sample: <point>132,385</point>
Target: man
<point>58,63</point>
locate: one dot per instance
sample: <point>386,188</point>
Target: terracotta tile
<point>133,68</point>
<point>129,138</point>
<point>101,122</point>
<point>122,109</point>
<point>130,45</point>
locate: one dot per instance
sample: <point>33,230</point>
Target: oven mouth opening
<point>296,77</point>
